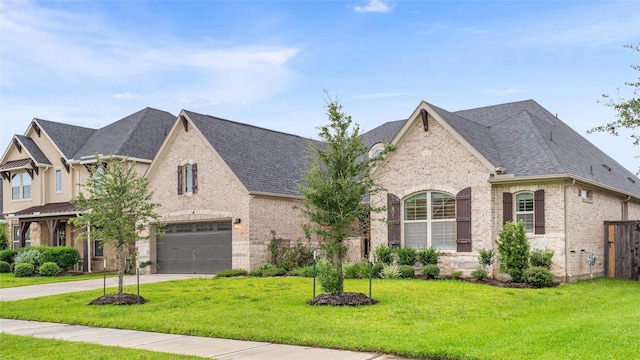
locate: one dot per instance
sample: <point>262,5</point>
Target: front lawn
<point>9,280</point>
<point>415,318</point>
<point>27,347</point>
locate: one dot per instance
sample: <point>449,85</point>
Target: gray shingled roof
<point>68,138</point>
<point>264,160</point>
<point>383,133</point>
<point>530,141</point>
<point>34,150</point>
<point>138,135</point>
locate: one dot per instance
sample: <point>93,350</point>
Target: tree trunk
<point>337,262</point>
<point>120,267</point>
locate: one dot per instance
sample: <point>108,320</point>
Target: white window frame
<point>524,209</point>
<point>22,187</point>
<point>58,180</point>
<point>429,222</point>
<point>188,178</point>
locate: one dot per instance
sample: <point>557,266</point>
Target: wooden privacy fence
<point>622,250</point>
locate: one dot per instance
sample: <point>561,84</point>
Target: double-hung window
<point>430,221</point>
<point>524,210</point>
<point>20,186</point>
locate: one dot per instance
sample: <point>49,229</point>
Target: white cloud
<point>374,6</point>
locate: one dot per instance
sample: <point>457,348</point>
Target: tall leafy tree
<point>627,110</point>
<point>337,182</point>
<point>117,206</point>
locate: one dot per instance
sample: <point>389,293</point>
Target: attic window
<point>631,180</point>
<point>606,167</point>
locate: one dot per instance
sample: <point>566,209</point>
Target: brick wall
<point>435,160</point>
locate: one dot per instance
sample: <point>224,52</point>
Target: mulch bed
<point>344,299</point>
<point>115,299</point>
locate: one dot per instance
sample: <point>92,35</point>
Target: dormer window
<point>376,149</point>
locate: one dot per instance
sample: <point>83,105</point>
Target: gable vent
<point>631,180</point>
<point>606,167</point>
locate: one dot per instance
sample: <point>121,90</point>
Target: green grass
<point>26,347</point>
<point>9,280</point>
<point>415,318</point>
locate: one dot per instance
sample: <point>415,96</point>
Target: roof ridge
<point>250,125</point>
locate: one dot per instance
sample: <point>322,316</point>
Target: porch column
<point>53,229</point>
<point>24,226</point>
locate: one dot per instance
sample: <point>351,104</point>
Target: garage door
<point>195,248</point>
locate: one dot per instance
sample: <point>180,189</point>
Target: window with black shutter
<point>538,210</point>
<point>393,221</point>
<point>507,207</point>
<point>463,220</point>
<point>180,180</point>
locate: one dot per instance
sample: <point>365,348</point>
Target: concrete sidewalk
<point>33,291</point>
<point>169,343</point>
<point>180,344</point>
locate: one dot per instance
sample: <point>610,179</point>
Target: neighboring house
<point>224,188</point>
<point>43,169</point>
<point>457,177</point>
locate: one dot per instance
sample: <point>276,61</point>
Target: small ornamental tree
<point>337,181</point>
<point>4,238</point>
<point>117,207</point>
<point>513,247</point>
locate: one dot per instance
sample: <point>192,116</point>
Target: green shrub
<point>328,277</point>
<point>276,250</point>
<point>376,270</point>
<point>428,256</point>
<point>231,273</point>
<point>390,272</point>
<point>24,270</point>
<point>541,258</point>
<point>5,267</point>
<point>384,254</point>
<point>538,276</point>
<point>350,270</point>
<point>406,256</point>
<point>363,268</point>
<point>65,256</point>
<point>487,257</point>
<point>513,247</point>
<point>406,271</point>
<point>266,269</point>
<point>12,267</point>
<point>479,274</point>
<point>28,255</point>
<point>8,255</point>
<point>305,271</point>
<point>297,256</point>
<point>4,237</point>
<point>49,269</point>
<point>431,271</point>
<point>456,275</point>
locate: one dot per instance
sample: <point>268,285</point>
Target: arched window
<point>524,210</point>
<point>430,221</point>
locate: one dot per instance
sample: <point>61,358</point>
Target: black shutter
<point>538,211</point>
<point>507,207</point>
<point>463,220</point>
<point>180,187</point>
<point>194,171</point>
<point>393,220</point>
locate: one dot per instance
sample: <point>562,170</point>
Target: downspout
<point>567,251</point>
<point>88,248</point>
<point>43,193</point>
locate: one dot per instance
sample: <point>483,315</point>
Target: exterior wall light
<point>236,223</point>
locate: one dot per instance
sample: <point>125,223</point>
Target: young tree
<point>117,207</point>
<point>628,110</point>
<point>513,247</point>
<point>338,180</point>
<point>4,238</point>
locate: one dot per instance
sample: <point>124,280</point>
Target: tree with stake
<point>336,183</point>
<point>117,207</point>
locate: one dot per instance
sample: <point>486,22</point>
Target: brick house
<point>42,171</point>
<point>457,177</point>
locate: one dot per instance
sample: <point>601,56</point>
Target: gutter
<point>269,194</point>
<point>510,178</point>
<point>567,251</point>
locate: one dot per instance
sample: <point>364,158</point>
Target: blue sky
<point>266,63</point>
